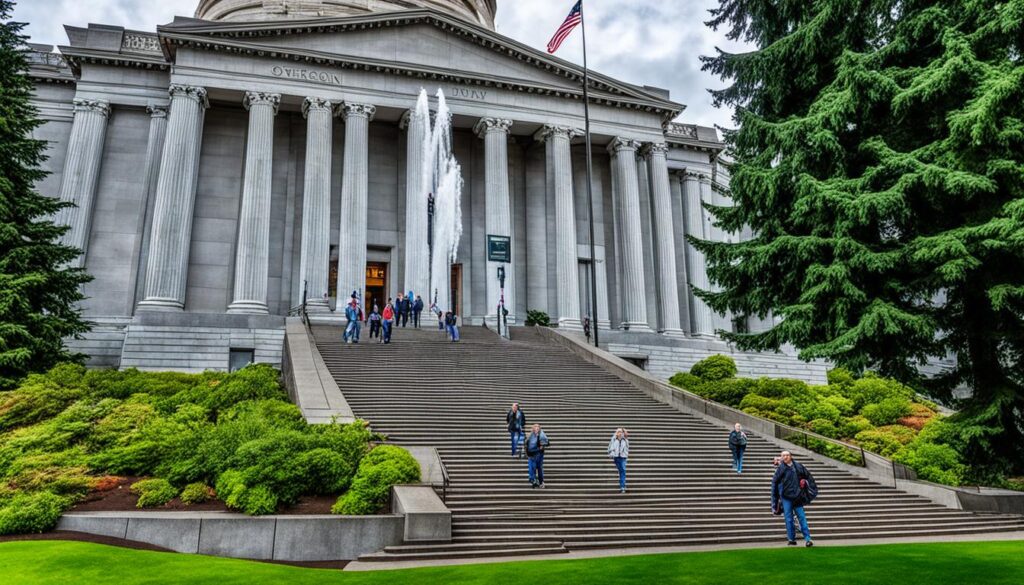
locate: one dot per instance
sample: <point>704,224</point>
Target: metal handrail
<point>446,480</point>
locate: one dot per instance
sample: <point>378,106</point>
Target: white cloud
<point>655,42</point>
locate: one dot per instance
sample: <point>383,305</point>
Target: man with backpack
<point>535,445</point>
<point>793,487</point>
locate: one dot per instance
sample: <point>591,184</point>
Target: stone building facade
<point>224,170</point>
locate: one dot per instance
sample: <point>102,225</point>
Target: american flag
<point>571,22</point>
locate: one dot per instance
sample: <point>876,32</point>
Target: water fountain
<point>442,177</point>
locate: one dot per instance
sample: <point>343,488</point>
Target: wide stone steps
<point>423,390</point>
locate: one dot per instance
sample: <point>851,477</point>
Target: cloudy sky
<point>650,42</point>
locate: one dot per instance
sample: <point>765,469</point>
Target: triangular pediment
<point>421,43</point>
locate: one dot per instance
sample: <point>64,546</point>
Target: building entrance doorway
<point>456,284</point>
<point>376,285</point>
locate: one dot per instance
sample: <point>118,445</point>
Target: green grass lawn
<point>64,562</point>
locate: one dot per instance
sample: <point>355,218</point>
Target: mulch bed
<point>118,498</point>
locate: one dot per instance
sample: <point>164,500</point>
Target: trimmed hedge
<point>878,414</point>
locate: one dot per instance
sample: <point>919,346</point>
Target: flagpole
<point>595,322</point>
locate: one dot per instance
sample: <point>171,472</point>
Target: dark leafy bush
<point>686,381</point>
<point>35,512</point>
<point>153,492</point>
<point>716,367</point>
<point>382,468</point>
<point>886,412</point>
<point>537,319</point>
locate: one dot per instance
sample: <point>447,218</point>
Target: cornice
<point>77,55</point>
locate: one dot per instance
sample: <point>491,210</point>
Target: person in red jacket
<point>388,319</point>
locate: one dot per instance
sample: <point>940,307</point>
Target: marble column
<point>498,210</point>
<point>354,188</point>
<point>154,149</point>
<point>316,203</point>
<point>664,238</point>
<point>81,173</point>
<point>252,254</point>
<point>417,252</point>
<point>703,319</point>
<point>558,140</point>
<point>171,236</point>
<point>631,271</point>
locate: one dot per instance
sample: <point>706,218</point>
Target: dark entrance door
<point>456,284</point>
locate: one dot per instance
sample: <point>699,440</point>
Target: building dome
<point>479,12</point>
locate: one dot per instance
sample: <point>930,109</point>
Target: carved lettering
<point>137,42</point>
<point>306,74</point>
<point>467,93</point>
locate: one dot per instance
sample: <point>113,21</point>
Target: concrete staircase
<point>424,390</point>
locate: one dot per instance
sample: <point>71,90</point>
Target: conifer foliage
<point>38,294</point>
<point>879,159</point>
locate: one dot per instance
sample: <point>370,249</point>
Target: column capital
<point>259,98</point>
<point>316,104</point>
<point>198,94</point>
<point>654,148</point>
<point>620,144</point>
<point>488,125</point>
<point>403,123</point>
<point>157,111</point>
<point>549,131</point>
<point>349,110</point>
<point>101,107</point>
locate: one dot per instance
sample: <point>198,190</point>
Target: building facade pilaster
<point>417,252</point>
<point>354,190</point>
<point>631,271</point>
<point>559,140</point>
<point>167,265</point>
<point>664,238</point>
<point>703,319</point>
<point>154,150</point>
<point>498,211</point>
<point>315,257</point>
<point>81,173</point>
<point>252,256</point>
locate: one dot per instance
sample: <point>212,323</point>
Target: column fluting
<point>664,238</point>
<point>703,319</point>
<point>417,252</point>
<point>316,203</point>
<point>558,140</point>
<point>498,210</point>
<point>354,187</point>
<point>634,301</point>
<point>81,173</point>
<point>167,265</point>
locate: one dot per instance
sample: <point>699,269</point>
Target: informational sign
<point>499,249</point>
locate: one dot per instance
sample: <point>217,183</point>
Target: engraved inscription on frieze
<point>467,93</point>
<point>137,42</point>
<point>305,74</point>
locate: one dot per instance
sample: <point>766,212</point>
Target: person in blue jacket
<point>535,445</point>
<point>793,487</point>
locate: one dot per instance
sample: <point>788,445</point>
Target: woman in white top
<point>618,450</point>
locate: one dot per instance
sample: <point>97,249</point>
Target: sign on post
<point>499,249</point>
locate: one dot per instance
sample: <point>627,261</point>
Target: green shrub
<point>783,388</point>
<point>841,378</point>
<point>196,493</point>
<point>153,492</point>
<point>933,462</point>
<point>879,441</point>
<point>849,427</point>
<point>382,468</point>
<point>730,392</point>
<point>686,381</point>
<point>824,427</point>
<point>872,390</point>
<point>325,472</point>
<point>886,412</point>
<point>716,367</point>
<point>537,319</point>
<point>27,513</point>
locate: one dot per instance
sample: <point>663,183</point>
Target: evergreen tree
<point>38,293</point>
<point>879,158</point>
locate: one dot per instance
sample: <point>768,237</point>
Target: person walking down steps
<point>374,319</point>
<point>452,323</point>
<point>515,419</point>
<point>793,487</point>
<point>738,445</point>
<point>618,450</point>
<point>536,443</point>
<point>387,321</point>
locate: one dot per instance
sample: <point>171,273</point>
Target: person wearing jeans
<point>618,450</point>
<point>535,445</point>
<point>792,488</point>
<point>738,445</point>
<point>516,422</point>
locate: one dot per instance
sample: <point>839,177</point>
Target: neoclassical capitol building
<point>228,166</point>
